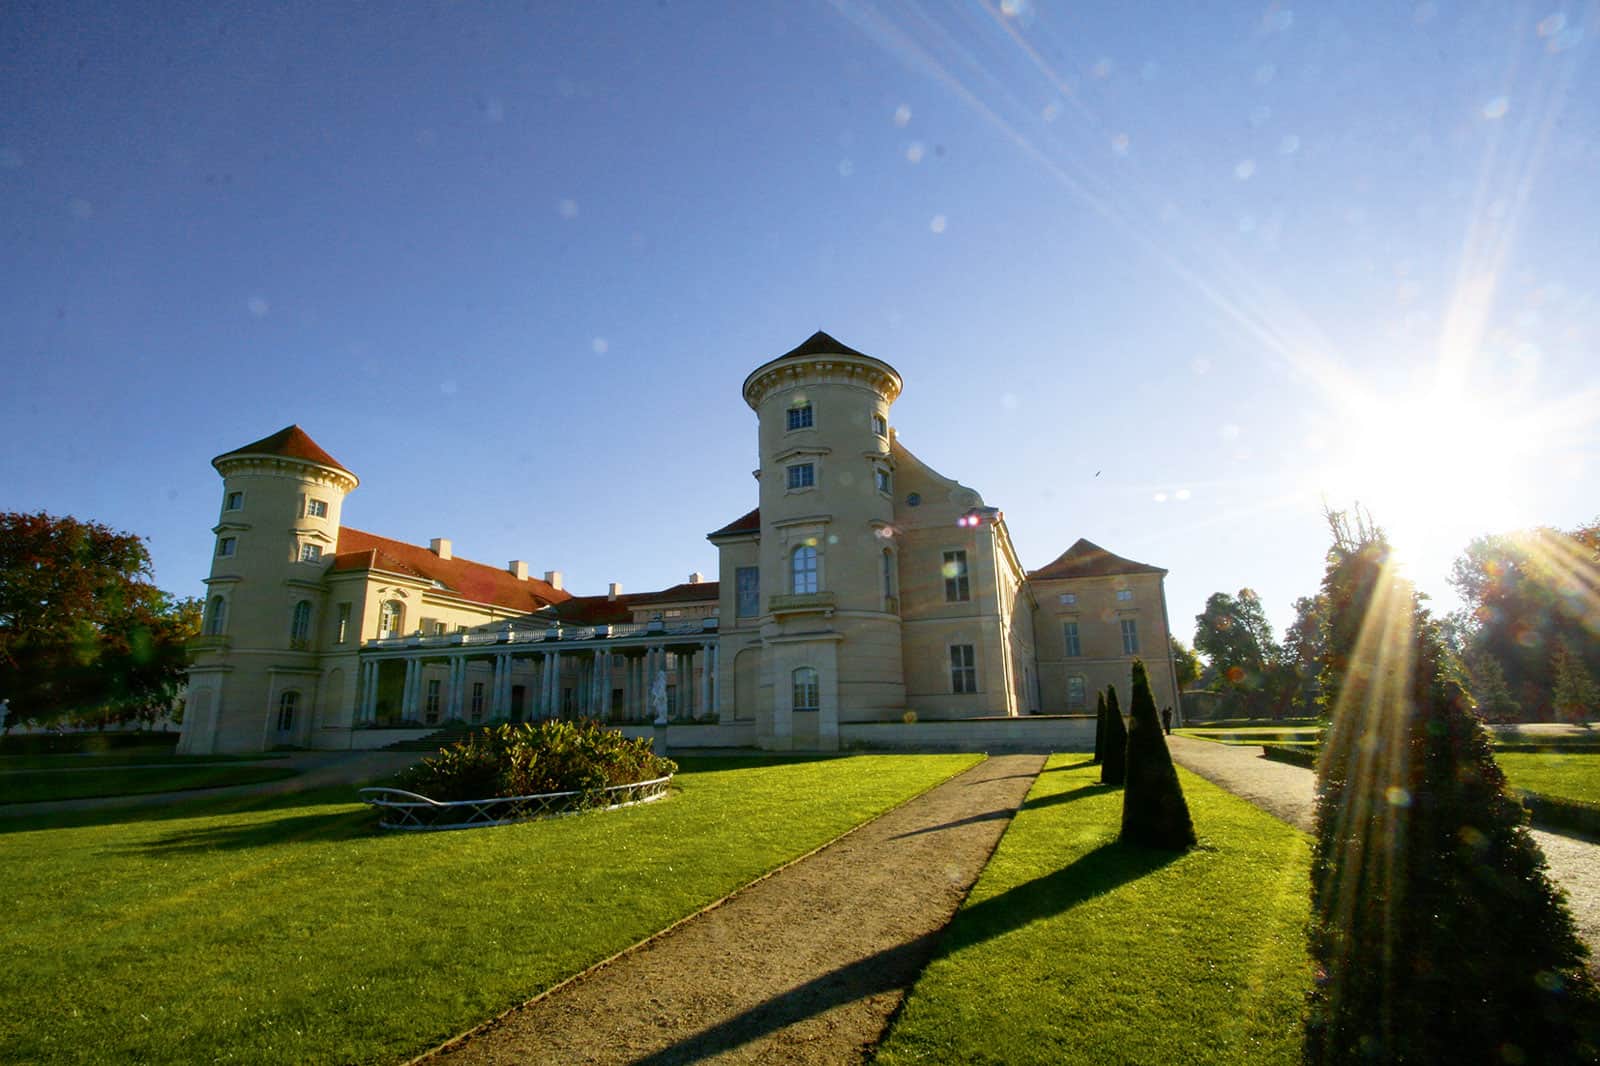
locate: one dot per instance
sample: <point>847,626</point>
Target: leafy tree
<point>1114,755</point>
<point>1302,649</point>
<point>84,634</point>
<point>1526,593</point>
<point>1436,932</point>
<point>1099,726</point>
<point>1234,635</point>
<point>1576,697</point>
<point>1154,812</point>
<point>1487,683</point>
<point>1185,662</point>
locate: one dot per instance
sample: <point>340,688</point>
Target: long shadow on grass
<point>1068,766</point>
<point>1034,803</point>
<point>296,829</point>
<point>896,968</point>
<point>197,806</point>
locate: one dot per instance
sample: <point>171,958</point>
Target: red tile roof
<point>603,610</point>
<point>1087,559</point>
<point>477,582</point>
<point>749,523</point>
<point>819,343</point>
<point>291,442</point>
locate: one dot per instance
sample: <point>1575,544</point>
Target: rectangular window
<point>956,588</point>
<point>802,476</point>
<point>310,553</point>
<point>1130,636</point>
<point>316,508</point>
<point>227,546</point>
<point>800,417</point>
<point>440,628</point>
<point>674,612</point>
<point>881,476</point>
<point>1124,594</point>
<point>433,701</point>
<point>476,707</point>
<point>1069,630</point>
<point>806,693</point>
<point>1067,599</point>
<point>963,670</point>
<point>1076,698</point>
<point>234,502</point>
<point>344,624</point>
<point>880,426</point>
<point>747,585</point>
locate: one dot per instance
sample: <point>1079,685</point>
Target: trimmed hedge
<point>80,743</point>
<point>1306,757</point>
<point>1562,814</point>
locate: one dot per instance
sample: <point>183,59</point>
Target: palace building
<point>865,595</point>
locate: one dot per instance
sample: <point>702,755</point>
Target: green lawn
<point>298,932</point>
<point>161,756</point>
<point>1075,949</point>
<point>41,785</point>
<point>1572,775</point>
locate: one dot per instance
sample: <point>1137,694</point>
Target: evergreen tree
<point>1099,726</point>
<point>1436,932</point>
<point>1154,812</point>
<point>1576,698</point>
<point>1114,754</point>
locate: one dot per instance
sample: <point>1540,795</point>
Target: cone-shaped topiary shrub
<point>1154,812</point>
<point>1436,933</point>
<point>1114,755</point>
<point>1099,726</point>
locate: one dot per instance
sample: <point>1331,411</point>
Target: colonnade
<point>574,682</point>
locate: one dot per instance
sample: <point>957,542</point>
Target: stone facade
<point>864,588</point>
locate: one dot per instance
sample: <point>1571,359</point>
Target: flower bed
<point>510,773</point>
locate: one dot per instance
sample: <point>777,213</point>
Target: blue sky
<point>511,266</point>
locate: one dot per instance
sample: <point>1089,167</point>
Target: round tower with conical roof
<point>252,683</point>
<point>831,640</point>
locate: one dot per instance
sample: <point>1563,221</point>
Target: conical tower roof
<point>290,442</point>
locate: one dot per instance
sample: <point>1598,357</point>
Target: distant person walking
<point>1166,719</point>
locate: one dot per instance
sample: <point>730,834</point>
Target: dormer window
<point>800,416</point>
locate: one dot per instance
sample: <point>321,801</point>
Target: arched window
<point>391,618</point>
<point>804,567</point>
<point>216,617</point>
<point>286,708</point>
<point>805,689</point>
<point>300,625</point>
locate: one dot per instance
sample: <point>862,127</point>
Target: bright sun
<point>1436,466</point>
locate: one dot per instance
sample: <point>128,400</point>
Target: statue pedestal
<point>658,739</point>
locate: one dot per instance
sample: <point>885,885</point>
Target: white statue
<point>658,697</point>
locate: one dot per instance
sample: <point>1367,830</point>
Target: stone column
<point>705,680</point>
<point>366,708</point>
<point>716,678</point>
<point>497,708</point>
<point>413,682</point>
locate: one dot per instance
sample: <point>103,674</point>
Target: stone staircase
<point>440,738</point>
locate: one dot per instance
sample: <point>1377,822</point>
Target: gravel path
<point>1289,793</point>
<point>805,966</point>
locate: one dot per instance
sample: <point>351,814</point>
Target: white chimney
<point>616,590</point>
<point>696,578</point>
<point>518,569</point>
<point>553,579</point>
<point>440,547</point>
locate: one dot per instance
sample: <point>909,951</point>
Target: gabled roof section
<point>747,523</point>
<point>1088,559</point>
<point>603,610</point>
<point>462,578</point>
<point>819,343</point>
<point>290,442</point>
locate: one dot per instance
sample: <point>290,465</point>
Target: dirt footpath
<point>1289,793</point>
<point>805,966</point>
